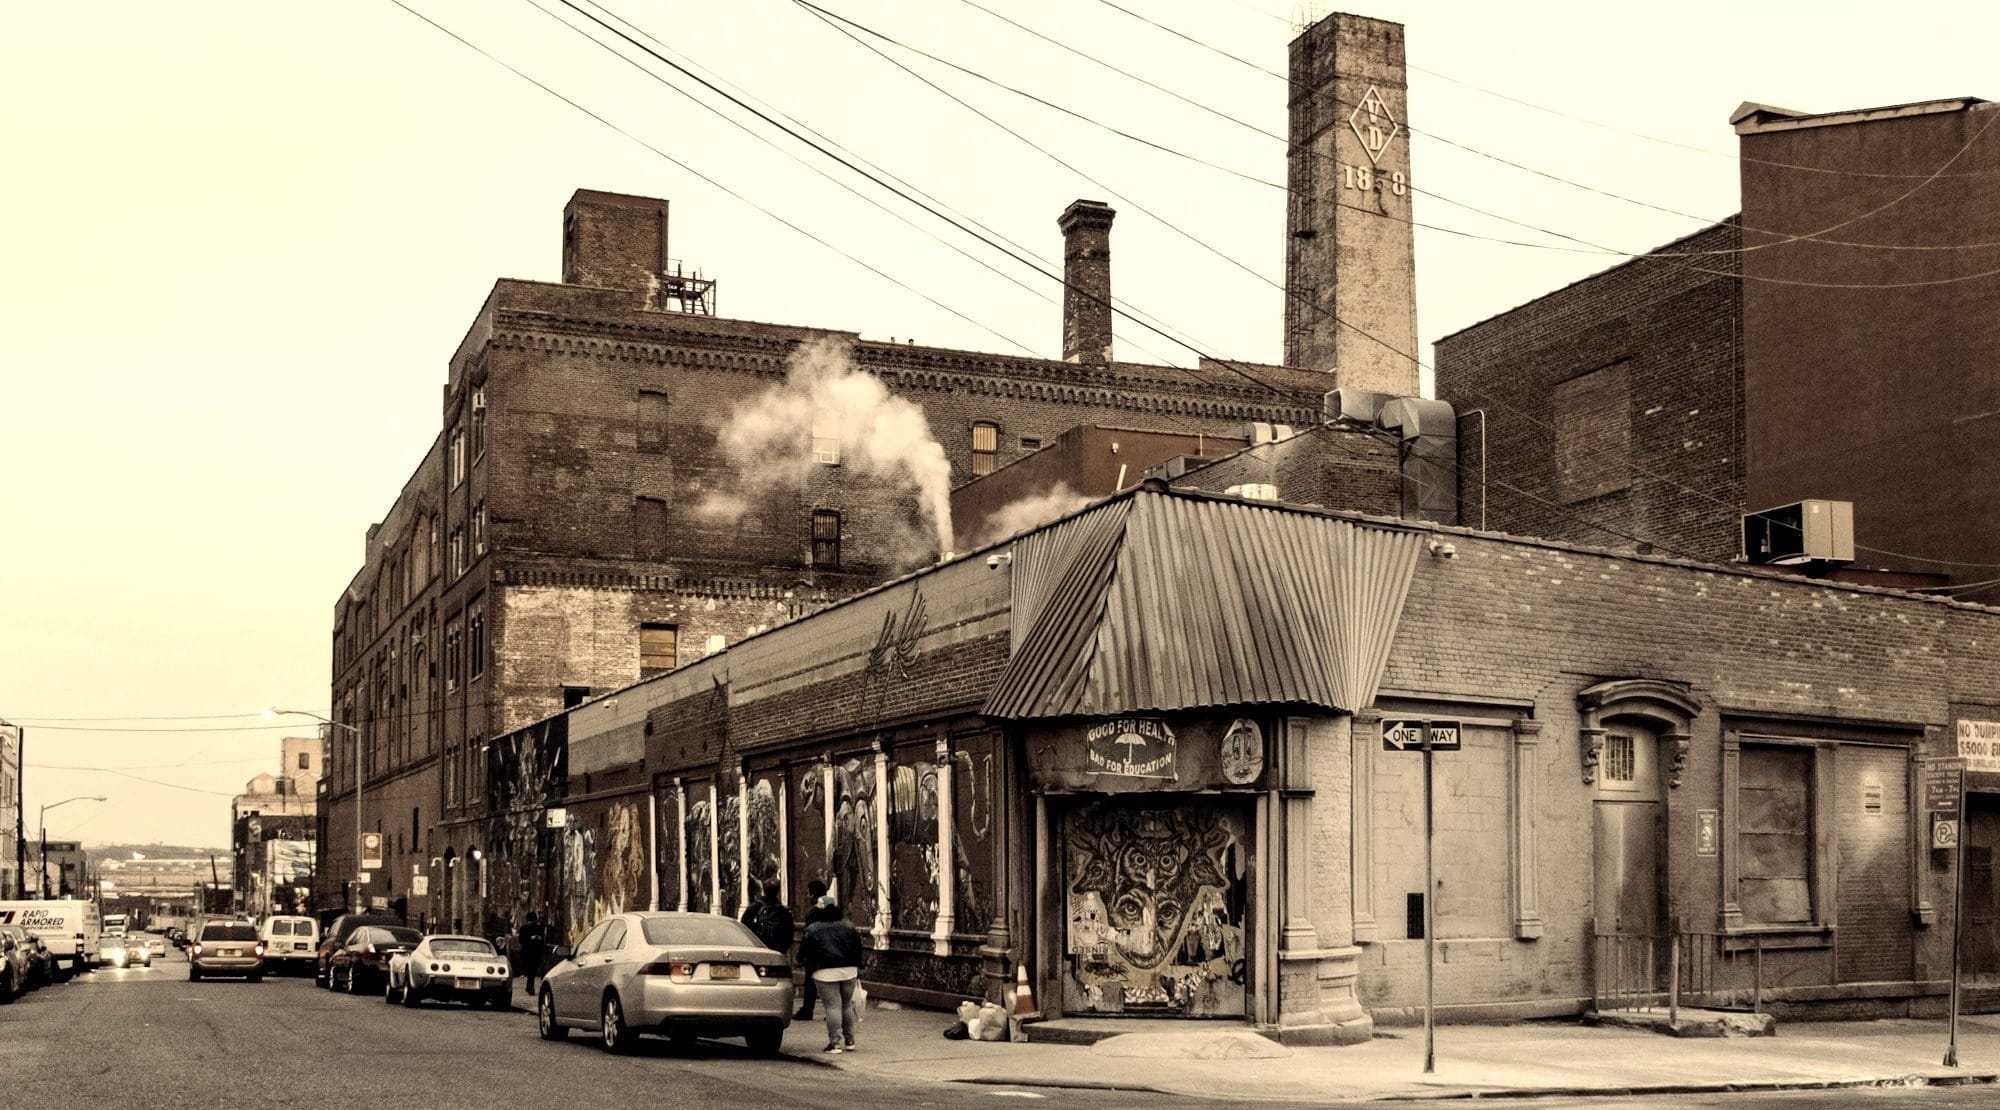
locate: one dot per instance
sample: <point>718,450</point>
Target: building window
<point>456,550</point>
<point>305,761</point>
<point>1774,834</point>
<point>475,635</point>
<point>573,696</point>
<point>454,653</point>
<point>457,455</point>
<point>652,430</point>
<point>1030,444</point>
<point>1621,760</point>
<point>659,648</point>
<point>826,439</point>
<point>1593,454</point>
<point>649,528</point>
<point>826,539</point>
<point>478,422</point>
<point>985,447</point>
<point>431,566</point>
<point>479,529</point>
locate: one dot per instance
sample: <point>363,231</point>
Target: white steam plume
<point>1021,514</point>
<point>769,439</point>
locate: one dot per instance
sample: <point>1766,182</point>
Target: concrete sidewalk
<point>1519,1060</point>
<point>1537,1058</point>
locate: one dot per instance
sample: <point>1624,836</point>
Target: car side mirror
<point>562,952</point>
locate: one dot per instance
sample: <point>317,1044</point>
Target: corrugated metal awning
<point>1160,601</point>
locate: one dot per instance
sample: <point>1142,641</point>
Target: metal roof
<point>1157,601</point>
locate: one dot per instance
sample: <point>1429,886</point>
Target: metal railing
<point>1700,970</point>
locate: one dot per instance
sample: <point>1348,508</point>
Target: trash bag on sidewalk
<point>956,1031</point>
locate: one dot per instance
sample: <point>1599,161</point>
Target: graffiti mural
<point>617,869</point>
<point>1155,909</point>
<point>728,854</point>
<point>765,801</point>
<point>526,772</point>
<point>853,865</point>
<point>700,848</point>
<point>913,838</point>
<point>808,832</point>
<point>972,832</point>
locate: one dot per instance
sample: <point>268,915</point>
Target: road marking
<point>1015,1094</point>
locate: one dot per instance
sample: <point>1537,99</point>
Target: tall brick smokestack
<point>1086,228</point>
<point>1350,259</point>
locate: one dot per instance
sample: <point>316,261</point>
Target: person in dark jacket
<point>530,939</point>
<point>830,951</point>
<point>821,910</point>
<point>770,920</point>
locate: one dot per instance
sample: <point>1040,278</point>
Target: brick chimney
<point>1086,228</point>
<point>614,241</point>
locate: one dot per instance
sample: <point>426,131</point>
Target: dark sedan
<point>335,936</point>
<point>361,966</point>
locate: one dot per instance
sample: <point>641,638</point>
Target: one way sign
<point>1408,735</point>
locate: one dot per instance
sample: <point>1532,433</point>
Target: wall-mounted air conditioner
<point>1803,532</point>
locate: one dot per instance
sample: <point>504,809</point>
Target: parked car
<point>177,937</point>
<point>290,942</point>
<point>361,966</point>
<point>451,968</point>
<point>41,963</point>
<point>15,964</point>
<point>123,951</point>
<point>683,974</point>
<point>226,948</point>
<point>334,936</point>
<point>156,946</point>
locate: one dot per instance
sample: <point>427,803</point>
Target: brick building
<point>599,506</point>
<point>1836,340</point>
<point>973,755</point>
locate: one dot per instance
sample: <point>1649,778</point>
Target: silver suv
<point>226,948</point>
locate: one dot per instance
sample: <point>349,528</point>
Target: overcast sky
<point>242,238</point>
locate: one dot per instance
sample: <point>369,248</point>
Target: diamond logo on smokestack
<point>1374,125</point>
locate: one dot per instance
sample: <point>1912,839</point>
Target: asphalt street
<point>151,1038</point>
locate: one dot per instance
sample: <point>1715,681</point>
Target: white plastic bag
<point>860,1003</point>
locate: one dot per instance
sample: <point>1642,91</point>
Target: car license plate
<point>722,971</point>
<point>229,951</point>
<point>468,984</point>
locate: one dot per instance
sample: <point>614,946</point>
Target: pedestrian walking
<point>822,909</point>
<point>831,954</point>
<point>770,920</point>
<point>530,938</point>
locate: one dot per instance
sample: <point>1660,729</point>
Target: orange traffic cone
<point>1024,995</point>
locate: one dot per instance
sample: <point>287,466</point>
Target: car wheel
<point>7,989</point>
<point>256,976</point>
<point>766,1042</point>
<point>616,1035</point>
<point>194,974</point>
<point>410,996</point>
<point>545,1017</point>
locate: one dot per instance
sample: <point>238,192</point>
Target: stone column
<point>681,846</point>
<point>881,927</point>
<point>742,839</point>
<point>1319,965</point>
<point>1527,860</point>
<point>947,916</point>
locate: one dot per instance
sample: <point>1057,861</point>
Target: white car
<point>124,952</point>
<point>447,967</point>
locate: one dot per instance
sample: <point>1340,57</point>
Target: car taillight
<point>260,948</point>
<point>672,969</point>
<point>197,948</point>
<point>774,971</point>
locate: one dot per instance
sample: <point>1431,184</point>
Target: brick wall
<point>1679,333</point>
<point>1337,468</point>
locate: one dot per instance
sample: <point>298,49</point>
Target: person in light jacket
<point>830,952</point>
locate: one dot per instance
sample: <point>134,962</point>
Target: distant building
<point>13,830</point>
<point>274,829</point>
<point>65,869</point>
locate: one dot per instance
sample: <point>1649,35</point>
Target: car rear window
<point>228,932</point>
<point>475,947</point>
<point>281,928</point>
<point>699,931</point>
<point>399,936</point>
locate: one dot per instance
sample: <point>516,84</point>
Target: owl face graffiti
<point>1151,869</point>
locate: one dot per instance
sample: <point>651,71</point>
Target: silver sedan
<point>682,974</point>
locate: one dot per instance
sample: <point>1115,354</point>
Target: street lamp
<point>360,772</point>
<point>43,822</point>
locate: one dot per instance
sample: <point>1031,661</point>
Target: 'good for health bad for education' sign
<point>1979,745</point>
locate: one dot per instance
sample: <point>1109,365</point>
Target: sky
<point>241,240</point>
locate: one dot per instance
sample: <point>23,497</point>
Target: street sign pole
<point>1430,917</point>
<point>1957,920</point>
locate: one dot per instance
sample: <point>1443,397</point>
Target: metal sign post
<point>1429,736</point>
<point>1957,921</point>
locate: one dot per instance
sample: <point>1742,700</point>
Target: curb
<point>1636,1090</point>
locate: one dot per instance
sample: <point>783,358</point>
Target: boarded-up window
<point>659,648</point>
<point>649,528</point>
<point>1594,434</point>
<point>1774,830</point>
<point>985,447</point>
<point>652,437</point>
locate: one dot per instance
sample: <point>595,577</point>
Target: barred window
<point>985,447</point>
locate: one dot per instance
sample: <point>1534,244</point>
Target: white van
<point>290,942</point>
<point>68,926</point>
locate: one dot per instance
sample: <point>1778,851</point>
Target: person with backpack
<point>822,910</point>
<point>770,920</point>
<point>831,952</point>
